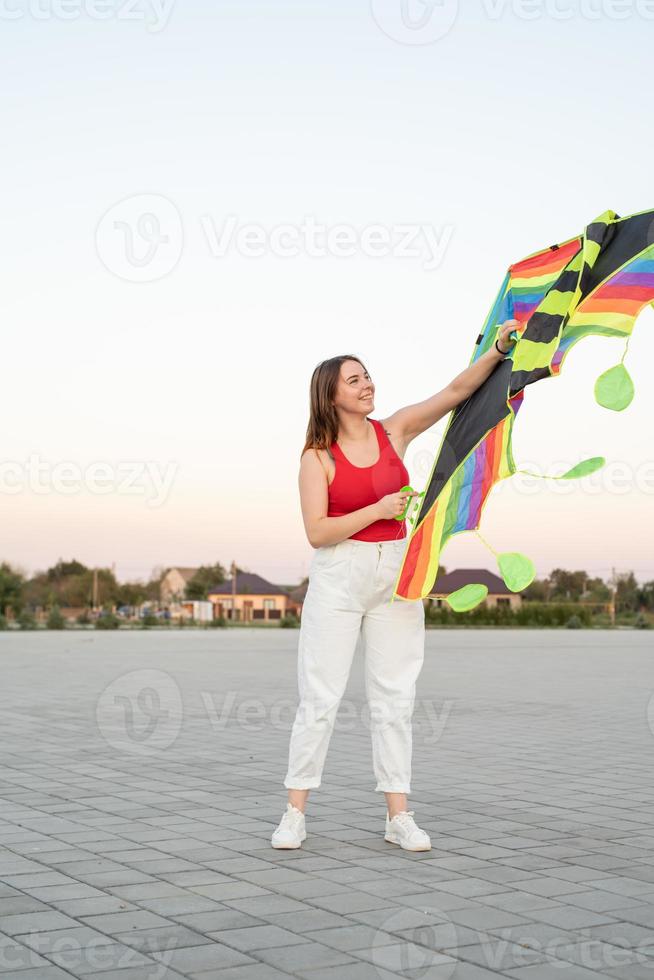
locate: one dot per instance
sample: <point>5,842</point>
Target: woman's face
<point>355,391</point>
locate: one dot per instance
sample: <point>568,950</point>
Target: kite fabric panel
<point>594,284</point>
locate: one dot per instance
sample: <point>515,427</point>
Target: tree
<point>11,588</point>
<point>567,585</point>
<point>597,590</point>
<point>63,569</point>
<point>646,595</point>
<point>562,585</point>
<point>131,594</point>
<point>627,591</point>
<point>538,591</point>
<point>70,584</point>
<point>153,587</point>
<point>204,579</point>
<point>55,620</point>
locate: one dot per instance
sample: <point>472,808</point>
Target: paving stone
<point>446,937</point>
<point>208,922</point>
<point>166,937</point>
<point>50,972</point>
<point>352,902</point>
<point>227,866</point>
<point>444,901</point>
<point>351,937</point>
<point>103,879</point>
<point>209,956</point>
<point>57,939</point>
<point>30,922</point>
<point>116,922</point>
<point>497,955</point>
<point>230,889</point>
<point>185,904</point>
<point>553,971</point>
<point>569,917</point>
<point>266,905</point>
<point>632,971</point>
<point>98,958</point>
<point>251,971</point>
<point>625,934</point>
<point>602,901</point>
<point>304,956</point>
<point>144,890</point>
<point>623,886</point>
<point>457,971</point>
<point>258,937</point>
<point>594,954</point>
<point>349,971</point>
<point>27,882</point>
<point>154,971</point>
<point>486,918</point>
<point>307,920</point>
<point>17,903</point>
<point>311,888</point>
<point>517,901</point>
<point>541,841</point>
<point>15,957</point>
<point>71,889</point>
<point>642,915</point>
<point>80,908</point>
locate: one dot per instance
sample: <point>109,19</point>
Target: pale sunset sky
<point>204,199</point>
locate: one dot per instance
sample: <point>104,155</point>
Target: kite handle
<point>408,489</point>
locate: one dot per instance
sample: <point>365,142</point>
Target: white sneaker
<point>291,830</point>
<point>402,830</point>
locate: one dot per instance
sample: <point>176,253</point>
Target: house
<point>172,587</point>
<point>253,599</point>
<point>498,593</point>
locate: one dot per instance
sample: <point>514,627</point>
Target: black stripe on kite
<point>520,379</point>
<point>630,237</point>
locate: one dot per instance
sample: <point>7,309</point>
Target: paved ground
<point>141,777</point>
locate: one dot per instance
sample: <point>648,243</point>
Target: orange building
<point>251,599</point>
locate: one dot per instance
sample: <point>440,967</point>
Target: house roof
<point>444,584</point>
<point>247,583</point>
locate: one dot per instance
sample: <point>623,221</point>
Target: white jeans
<point>349,593</point>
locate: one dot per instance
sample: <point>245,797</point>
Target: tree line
<point>580,587</point>
<point>72,584</point>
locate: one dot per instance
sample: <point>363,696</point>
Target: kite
<point>594,284</point>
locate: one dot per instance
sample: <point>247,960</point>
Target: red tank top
<point>354,487</point>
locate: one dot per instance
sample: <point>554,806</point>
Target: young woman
<point>351,471</point>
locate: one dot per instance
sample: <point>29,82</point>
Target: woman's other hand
<point>506,343</point>
<point>394,504</point>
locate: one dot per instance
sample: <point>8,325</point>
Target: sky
<point>205,199</point>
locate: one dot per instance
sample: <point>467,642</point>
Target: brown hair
<point>322,429</point>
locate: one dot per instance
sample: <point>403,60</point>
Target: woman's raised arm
<point>412,420</point>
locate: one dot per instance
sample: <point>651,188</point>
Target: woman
<point>351,471</point>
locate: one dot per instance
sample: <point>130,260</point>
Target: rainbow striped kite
<point>596,283</point>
